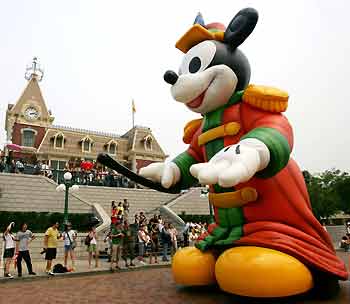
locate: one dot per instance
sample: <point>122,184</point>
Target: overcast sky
<point>100,54</point>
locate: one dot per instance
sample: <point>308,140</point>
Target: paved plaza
<point>144,284</point>
<point>153,285</point>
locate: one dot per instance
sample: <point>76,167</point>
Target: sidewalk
<point>81,268</point>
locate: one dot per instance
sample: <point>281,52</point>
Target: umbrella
<point>86,165</point>
<point>14,147</point>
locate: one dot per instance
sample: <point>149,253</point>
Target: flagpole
<point>133,119</point>
<point>133,110</point>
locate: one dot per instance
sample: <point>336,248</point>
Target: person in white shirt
<point>9,252</point>
<point>173,234</point>
<point>23,238</point>
<point>69,237</point>
<point>92,247</point>
<point>193,236</point>
<point>143,239</point>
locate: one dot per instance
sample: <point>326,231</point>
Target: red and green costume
<point>281,217</point>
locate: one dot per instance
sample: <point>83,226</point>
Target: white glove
<point>233,164</point>
<point>168,174</point>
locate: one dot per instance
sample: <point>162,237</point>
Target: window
<point>86,145</point>
<point>112,148</point>
<point>59,141</point>
<point>28,138</point>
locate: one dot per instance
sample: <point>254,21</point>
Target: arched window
<point>113,148</point>
<point>86,144</point>
<point>28,137</point>
<point>59,141</point>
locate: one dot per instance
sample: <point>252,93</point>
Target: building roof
<point>78,130</point>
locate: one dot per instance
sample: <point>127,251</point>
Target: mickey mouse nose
<point>170,77</point>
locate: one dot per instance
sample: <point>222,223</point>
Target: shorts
<point>68,248</point>
<point>50,254</point>
<point>91,248</point>
<point>9,253</point>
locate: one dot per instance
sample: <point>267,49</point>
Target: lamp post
<point>204,193</point>
<point>65,187</point>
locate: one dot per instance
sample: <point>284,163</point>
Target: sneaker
<point>9,275</point>
<point>143,263</point>
<point>19,275</point>
<point>31,273</point>
<point>50,273</point>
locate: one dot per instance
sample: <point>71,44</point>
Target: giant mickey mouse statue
<point>265,241</point>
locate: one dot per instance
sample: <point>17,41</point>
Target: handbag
<point>72,244</point>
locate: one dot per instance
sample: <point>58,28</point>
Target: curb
<point>80,274</point>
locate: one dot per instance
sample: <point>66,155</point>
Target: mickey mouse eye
<point>198,58</point>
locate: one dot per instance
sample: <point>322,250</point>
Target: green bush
<point>40,221</point>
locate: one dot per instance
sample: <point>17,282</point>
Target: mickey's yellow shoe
<point>192,267</point>
<point>261,272</point>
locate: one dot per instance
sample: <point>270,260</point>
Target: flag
<point>133,106</point>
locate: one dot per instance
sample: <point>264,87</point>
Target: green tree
<point>325,200</point>
<point>343,189</point>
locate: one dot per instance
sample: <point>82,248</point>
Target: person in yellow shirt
<point>50,246</point>
<point>120,208</point>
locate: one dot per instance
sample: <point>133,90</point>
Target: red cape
<point>282,219</point>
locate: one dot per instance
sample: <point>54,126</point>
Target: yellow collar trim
<point>231,128</point>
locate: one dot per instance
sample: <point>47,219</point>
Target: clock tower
<point>28,119</point>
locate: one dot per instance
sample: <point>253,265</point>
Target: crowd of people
<point>95,176</point>
<point>143,240</point>
<point>139,239</point>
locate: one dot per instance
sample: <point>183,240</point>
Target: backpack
<point>59,268</point>
<point>87,240</point>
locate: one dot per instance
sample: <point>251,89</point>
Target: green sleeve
<point>184,161</point>
<point>278,147</point>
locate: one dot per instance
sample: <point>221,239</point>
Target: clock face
<point>31,113</point>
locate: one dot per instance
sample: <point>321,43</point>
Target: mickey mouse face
<point>212,71</point>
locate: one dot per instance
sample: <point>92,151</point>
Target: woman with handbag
<point>69,237</point>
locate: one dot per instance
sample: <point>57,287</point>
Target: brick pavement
<point>144,285</point>
<point>138,287</point>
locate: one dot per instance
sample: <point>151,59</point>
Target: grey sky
<point>98,55</point>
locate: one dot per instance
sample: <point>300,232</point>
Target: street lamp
<point>204,193</point>
<point>65,187</point>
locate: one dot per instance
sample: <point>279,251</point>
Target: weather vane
<point>34,71</point>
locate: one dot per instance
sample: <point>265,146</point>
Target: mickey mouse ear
<point>241,26</point>
<point>199,20</point>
